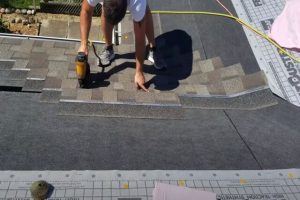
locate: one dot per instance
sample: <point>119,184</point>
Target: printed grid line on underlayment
<point>282,72</point>
<point>139,185</point>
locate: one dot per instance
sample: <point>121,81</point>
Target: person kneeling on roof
<point>113,11</point>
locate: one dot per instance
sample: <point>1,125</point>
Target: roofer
<point>113,11</point>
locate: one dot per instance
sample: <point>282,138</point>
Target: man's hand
<point>139,81</point>
<point>84,48</point>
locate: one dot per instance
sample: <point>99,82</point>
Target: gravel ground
<point>32,29</point>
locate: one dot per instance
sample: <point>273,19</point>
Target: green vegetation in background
<point>27,3</point>
<point>18,3</point>
<point>3,26</point>
<point>66,1</point>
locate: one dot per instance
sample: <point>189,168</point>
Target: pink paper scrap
<point>171,192</point>
<point>286,28</point>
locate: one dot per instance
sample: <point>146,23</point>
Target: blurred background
<point>50,18</point>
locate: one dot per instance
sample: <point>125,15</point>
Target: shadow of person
<point>96,80</point>
<point>176,49</point>
<point>101,79</point>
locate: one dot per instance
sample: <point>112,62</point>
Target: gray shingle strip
<point>196,56</point>
<point>233,86</point>
<point>142,97</point>
<point>12,83</point>
<point>216,89</point>
<point>55,51</point>
<point>53,83</point>
<point>38,73</point>
<point>50,96</point>
<point>254,80</point>
<point>38,43</point>
<point>10,77</point>
<point>166,98</point>
<point>26,46</point>
<point>232,71</point>
<point>125,78</point>
<point>21,64</point>
<point>72,75</point>
<point>97,95</point>
<point>15,48</point>
<point>211,64</point>
<point>33,86</point>
<point>6,65</point>
<point>229,87</point>
<point>84,95</point>
<point>58,58</point>
<point>56,65</point>
<point>69,84</point>
<point>11,41</point>
<point>5,47</point>
<point>126,96</point>
<point>4,54</point>
<point>250,101</point>
<point>110,96</point>
<point>64,45</point>
<point>69,93</point>
<point>120,110</point>
<point>37,49</point>
<point>18,75</point>
<point>48,44</point>
<point>4,74</point>
<point>72,52</point>
<point>218,74</point>
<point>20,54</point>
<point>37,63</point>
<point>58,69</point>
<point>118,86</point>
<point>37,60</point>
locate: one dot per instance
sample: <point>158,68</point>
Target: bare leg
<point>107,29</point>
<point>149,28</point>
<point>85,25</point>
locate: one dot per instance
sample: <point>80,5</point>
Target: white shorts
<point>137,8</point>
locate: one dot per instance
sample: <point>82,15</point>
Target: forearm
<point>85,23</point>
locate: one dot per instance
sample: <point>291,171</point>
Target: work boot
<point>107,55</point>
<point>156,58</point>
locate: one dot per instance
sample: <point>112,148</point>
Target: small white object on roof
<point>24,11</point>
<point>171,192</point>
<point>7,10</point>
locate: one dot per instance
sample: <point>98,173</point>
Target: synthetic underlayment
<point>282,72</point>
<point>138,185</point>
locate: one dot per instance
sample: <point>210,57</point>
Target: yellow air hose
<point>240,21</point>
